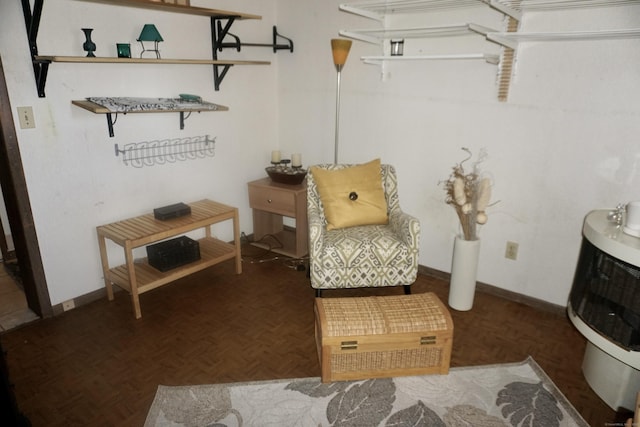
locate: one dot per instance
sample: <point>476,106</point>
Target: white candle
<point>275,156</point>
<point>296,160</point>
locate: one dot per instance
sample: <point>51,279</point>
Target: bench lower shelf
<point>212,252</point>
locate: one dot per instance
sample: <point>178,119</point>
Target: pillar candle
<point>275,156</point>
<point>296,160</point>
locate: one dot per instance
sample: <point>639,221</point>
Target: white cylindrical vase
<point>464,269</point>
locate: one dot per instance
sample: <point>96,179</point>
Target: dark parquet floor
<point>98,366</point>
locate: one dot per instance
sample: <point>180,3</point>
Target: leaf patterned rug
<point>514,394</point>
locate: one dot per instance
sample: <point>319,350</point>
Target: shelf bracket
<point>220,31</point>
<point>219,70</point>
<point>509,11</point>
<point>110,123</point>
<point>32,23</point>
<point>183,118</point>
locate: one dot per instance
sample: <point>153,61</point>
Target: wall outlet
<point>25,115</point>
<point>511,252</point>
<point>68,305</point>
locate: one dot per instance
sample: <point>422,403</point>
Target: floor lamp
<point>340,49</point>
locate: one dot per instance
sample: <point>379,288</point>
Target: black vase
<point>89,46</point>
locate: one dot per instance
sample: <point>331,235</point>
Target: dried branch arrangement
<point>469,194</point>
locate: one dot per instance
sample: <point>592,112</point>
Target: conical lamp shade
<point>150,33</point>
<point>340,49</point>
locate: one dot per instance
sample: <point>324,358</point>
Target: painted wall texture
<point>563,144</point>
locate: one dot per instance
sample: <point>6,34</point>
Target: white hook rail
<point>150,153</point>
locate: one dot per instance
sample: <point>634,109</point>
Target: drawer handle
<point>349,345</point>
<point>428,340</point>
<point>269,200</point>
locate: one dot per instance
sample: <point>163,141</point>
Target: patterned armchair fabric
<point>362,256</point>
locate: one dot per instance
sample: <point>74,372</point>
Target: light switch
<point>25,114</point>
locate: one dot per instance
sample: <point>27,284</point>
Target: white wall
<point>75,181</point>
<point>562,145</point>
<point>565,143</point>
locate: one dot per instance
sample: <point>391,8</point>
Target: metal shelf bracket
<point>220,31</point>
<point>111,120</point>
<point>32,23</point>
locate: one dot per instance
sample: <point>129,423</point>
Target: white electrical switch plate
<point>25,114</point>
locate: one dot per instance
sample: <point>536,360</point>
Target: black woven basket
<point>173,253</point>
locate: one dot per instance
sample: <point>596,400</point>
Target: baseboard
<point>83,299</point>
<point>425,271</point>
<point>499,292</point>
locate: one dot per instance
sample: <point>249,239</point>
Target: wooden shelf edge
<point>99,109</point>
<point>112,60</point>
<point>176,8</point>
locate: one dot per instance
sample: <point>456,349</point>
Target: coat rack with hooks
<point>159,152</point>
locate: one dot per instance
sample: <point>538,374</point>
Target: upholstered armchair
<point>372,255</point>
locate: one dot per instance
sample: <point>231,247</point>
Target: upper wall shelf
<point>110,60</point>
<point>509,39</point>
<point>220,67</point>
<point>376,36</point>
<point>489,58</point>
<point>379,9</point>
<point>512,40</point>
<point>176,8</point>
<point>531,5</point>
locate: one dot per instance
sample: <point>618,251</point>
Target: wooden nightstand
<point>271,202</point>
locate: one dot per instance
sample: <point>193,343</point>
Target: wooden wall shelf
<point>220,67</point>
<point>176,8</point>
<point>111,60</point>
<point>190,107</point>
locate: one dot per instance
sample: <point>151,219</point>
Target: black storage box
<point>171,211</point>
<point>173,253</point>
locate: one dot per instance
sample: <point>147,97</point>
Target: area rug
<point>515,394</point>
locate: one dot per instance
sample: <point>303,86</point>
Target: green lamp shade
<point>150,34</point>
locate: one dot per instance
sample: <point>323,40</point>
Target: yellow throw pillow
<point>352,196</point>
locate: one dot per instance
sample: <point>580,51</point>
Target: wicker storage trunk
<point>383,336</point>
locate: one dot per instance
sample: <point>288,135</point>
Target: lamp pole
<point>335,148</point>
<point>340,49</point>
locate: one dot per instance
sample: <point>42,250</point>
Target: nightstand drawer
<point>282,202</point>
